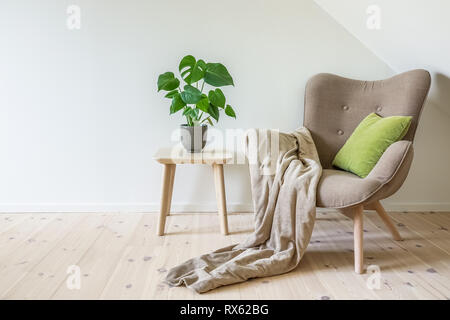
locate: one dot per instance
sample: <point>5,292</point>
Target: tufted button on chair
<point>334,106</point>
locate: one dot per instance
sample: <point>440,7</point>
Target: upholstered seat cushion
<point>341,189</point>
<point>338,188</point>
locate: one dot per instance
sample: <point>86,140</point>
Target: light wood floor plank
<point>427,227</point>
<point>100,260</point>
<point>50,273</point>
<point>19,261</point>
<point>9,221</point>
<point>394,262</point>
<point>409,260</point>
<point>333,258</point>
<point>14,236</point>
<point>121,257</point>
<point>133,273</point>
<point>437,217</point>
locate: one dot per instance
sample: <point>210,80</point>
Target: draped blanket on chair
<point>284,170</point>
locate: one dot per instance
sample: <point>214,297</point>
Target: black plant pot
<point>193,138</point>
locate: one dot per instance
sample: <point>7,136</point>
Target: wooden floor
<point>120,257</point>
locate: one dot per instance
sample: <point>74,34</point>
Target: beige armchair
<point>334,106</point>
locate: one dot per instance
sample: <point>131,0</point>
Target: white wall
<point>79,114</point>
<point>413,34</point>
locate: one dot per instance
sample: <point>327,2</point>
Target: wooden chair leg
<point>387,220</point>
<point>358,230</point>
<point>166,194</point>
<point>220,195</point>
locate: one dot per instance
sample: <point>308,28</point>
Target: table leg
<point>220,195</point>
<point>166,194</point>
<point>172,177</point>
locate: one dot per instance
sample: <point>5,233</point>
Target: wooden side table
<point>170,157</point>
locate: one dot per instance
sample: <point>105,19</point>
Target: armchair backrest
<point>334,106</point>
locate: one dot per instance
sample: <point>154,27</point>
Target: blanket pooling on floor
<point>284,170</point>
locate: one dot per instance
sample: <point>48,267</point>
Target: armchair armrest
<point>391,161</point>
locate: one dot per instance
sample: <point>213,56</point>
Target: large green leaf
<point>217,75</point>
<point>214,112</point>
<point>230,112</point>
<point>191,95</point>
<point>177,104</point>
<point>192,70</point>
<point>167,82</point>
<point>217,98</point>
<point>203,104</point>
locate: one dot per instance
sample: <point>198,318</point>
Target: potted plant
<point>198,105</point>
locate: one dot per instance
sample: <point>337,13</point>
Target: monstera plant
<point>200,105</point>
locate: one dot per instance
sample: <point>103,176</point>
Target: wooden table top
<point>178,155</point>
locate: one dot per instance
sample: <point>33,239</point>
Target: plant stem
<point>205,119</point>
<point>203,84</point>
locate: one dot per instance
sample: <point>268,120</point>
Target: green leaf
<point>191,95</point>
<point>171,94</point>
<point>194,113</point>
<point>203,104</point>
<point>214,112</point>
<point>187,61</point>
<point>230,112</point>
<point>187,111</point>
<point>202,65</point>
<point>167,82</point>
<point>177,104</point>
<point>190,112</point>
<point>192,70</point>
<point>217,98</point>
<point>209,120</point>
<point>217,75</point>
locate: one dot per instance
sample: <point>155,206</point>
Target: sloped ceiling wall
<point>413,34</point>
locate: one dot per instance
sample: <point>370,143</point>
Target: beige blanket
<point>284,170</point>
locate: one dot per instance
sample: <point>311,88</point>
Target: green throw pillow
<point>368,142</point>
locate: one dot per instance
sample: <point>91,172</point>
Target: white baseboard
<point>417,206</point>
<point>117,207</point>
<point>184,207</point>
